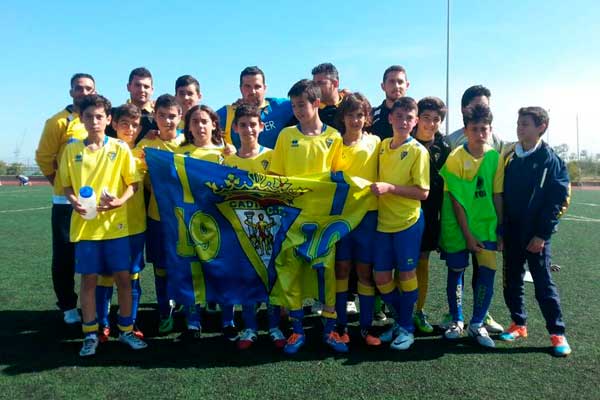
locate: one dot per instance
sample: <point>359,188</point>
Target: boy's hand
<point>474,245</point>
<point>536,245</point>
<point>379,188</point>
<point>229,149</point>
<point>109,202</point>
<point>78,208</point>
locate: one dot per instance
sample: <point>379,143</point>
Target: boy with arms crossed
<point>403,184</point>
<point>106,166</point>
<point>536,184</point>
<point>471,221</point>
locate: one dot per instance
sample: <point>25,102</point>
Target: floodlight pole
<point>577,132</point>
<point>448,66</point>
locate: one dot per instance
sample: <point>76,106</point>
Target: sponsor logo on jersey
<point>295,143</point>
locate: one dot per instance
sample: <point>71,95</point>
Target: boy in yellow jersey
<point>104,166</point>
<point>310,147</point>
<point>360,155</point>
<point>58,130</point>
<point>167,116</point>
<point>471,221</point>
<point>403,184</point>
<point>126,122</point>
<point>253,157</point>
<point>432,112</point>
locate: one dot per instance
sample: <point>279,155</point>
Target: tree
<point>15,168</point>
<point>562,150</point>
<point>3,167</point>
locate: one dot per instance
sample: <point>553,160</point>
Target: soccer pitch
<point>39,355</point>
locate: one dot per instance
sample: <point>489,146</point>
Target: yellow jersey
<point>212,153</point>
<point>138,153</point>
<point>259,163</point>
<point>406,165</point>
<point>296,154</point>
<point>110,168</point>
<point>462,164</point>
<point>58,131</point>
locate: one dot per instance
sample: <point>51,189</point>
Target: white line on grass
<point>579,218</point>
<point>588,204</point>
<point>24,209</point>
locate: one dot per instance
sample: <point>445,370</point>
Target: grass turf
<point>38,354</point>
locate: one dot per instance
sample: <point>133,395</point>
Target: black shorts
<point>63,251</point>
<point>431,234</point>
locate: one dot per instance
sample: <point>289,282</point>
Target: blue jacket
<point>535,189</point>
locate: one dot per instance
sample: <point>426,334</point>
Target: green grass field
<point>38,354</point>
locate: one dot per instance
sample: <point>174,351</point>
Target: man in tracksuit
<point>536,185</point>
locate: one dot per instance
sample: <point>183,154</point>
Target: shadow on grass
<point>35,341</point>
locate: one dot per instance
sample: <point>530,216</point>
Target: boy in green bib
<point>471,221</point>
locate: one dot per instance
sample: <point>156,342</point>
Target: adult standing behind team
<point>275,113</point>
<point>395,84</point>
<point>326,76</point>
<point>58,131</point>
<point>140,87</point>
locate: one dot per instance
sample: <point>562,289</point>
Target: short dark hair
<point>478,113</point>
<point>393,68</point>
<point>246,110</point>
<point>472,92</point>
<point>216,134</point>
<point>312,90</point>
<point>254,70</point>
<point>352,102</point>
<point>405,103</point>
<point>126,110</point>
<point>186,80</point>
<point>141,72</point>
<point>432,103</point>
<point>327,68</point>
<point>166,101</point>
<point>538,114</point>
<point>80,75</point>
<point>95,100</point>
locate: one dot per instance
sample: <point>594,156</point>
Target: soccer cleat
<point>104,334</point>
<point>317,307</point>
<point>560,345</point>
<point>294,343</point>
<point>230,333</point>
<point>247,339</point>
<point>71,316</point>
<point>132,341</point>
<point>343,334</point>
<point>334,341</point>
<point>514,332</point>
<point>481,335</point>
<point>455,330</point>
<point>90,343</point>
<point>491,325</point>
<point>390,334</point>
<point>188,336</point>
<point>369,338</point>
<point>403,341</point>
<point>277,337</point>
<point>446,321</point>
<point>166,325</point>
<point>351,308</point>
<point>139,334</point>
<point>420,320</point>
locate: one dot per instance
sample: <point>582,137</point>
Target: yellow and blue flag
<point>224,228</point>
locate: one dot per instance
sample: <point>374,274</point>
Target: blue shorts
<point>104,257</point>
<point>359,244</point>
<point>460,259</point>
<point>155,242</point>
<point>136,243</point>
<point>399,250</point>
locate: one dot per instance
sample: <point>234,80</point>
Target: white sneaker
<point>455,330</point>
<point>403,341</point>
<point>481,335</point>
<point>491,325</point>
<point>351,308</point>
<point>90,343</point>
<point>132,341</point>
<point>390,334</point>
<point>71,316</point>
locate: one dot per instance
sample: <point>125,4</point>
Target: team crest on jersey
<point>112,155</point>
<point>255,208</point>
<point>403,155</point>
<point>78,158</point>
<point>294,143</point>
<point>329,142</point>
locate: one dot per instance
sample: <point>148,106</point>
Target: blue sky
<point>537,52</point>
